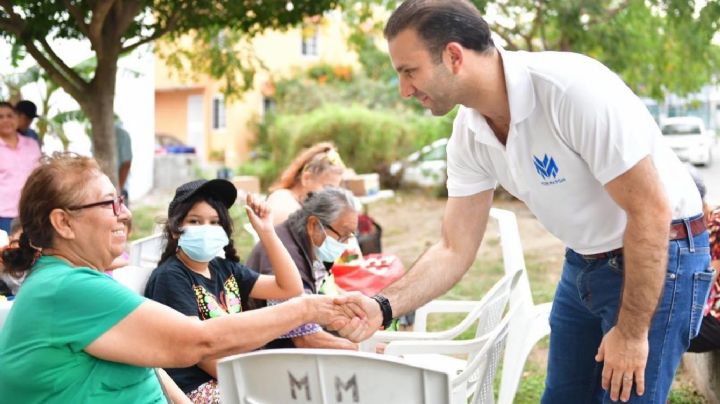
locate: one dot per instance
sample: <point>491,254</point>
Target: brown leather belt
<point>678,231</point>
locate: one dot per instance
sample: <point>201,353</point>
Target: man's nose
<point>406,88</point>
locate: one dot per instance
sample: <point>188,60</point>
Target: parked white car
<point>689,139</point>
<point>425,168</point>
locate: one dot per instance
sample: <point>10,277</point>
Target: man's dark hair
<point>439,22</point>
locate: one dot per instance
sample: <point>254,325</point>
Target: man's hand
<point>625,359</point>
<point>357,305</point>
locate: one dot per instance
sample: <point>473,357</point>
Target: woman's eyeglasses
<point>117,204</point>
<point>341,238</point>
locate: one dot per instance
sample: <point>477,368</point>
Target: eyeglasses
<point>341,238</point>
<point>117,204</point>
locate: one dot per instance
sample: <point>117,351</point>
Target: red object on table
<point>375,273</point>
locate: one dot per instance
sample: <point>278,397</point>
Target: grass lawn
<point>411,223</point>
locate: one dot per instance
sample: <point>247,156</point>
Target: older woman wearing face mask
<point>315,236</point>
<point>74,335</point>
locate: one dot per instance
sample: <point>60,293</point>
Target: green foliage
<point>656,46</point>
<point>685,394</point>
<point>114,28</point>
<point>327,84</point>
<point>368,140</point>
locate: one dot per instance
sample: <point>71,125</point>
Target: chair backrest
<point>327,376</point>
<point>530,323</point>
<point>513,256</point>
<point>487,312</point>
<point>5,307</point>
<point>145,252</point>
<point>134,277</point>
<point>479,374</point>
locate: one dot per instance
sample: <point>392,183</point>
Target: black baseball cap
<point>27,107</point>
<point>222,190</point>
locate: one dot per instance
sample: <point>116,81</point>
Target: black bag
<point>708,339</point>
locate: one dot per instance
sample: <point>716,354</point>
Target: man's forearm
<point>645,250</point>
<point>435,272</point>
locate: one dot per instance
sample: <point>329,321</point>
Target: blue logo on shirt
<point>546,167</point>
<point>548,170</point>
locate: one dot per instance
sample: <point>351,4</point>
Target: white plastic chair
<point>327,376</point>
<point>5,307</point>
<point>133,277</point>
<point>145,252</point>
<point>486,313</point>
<point>474,382</point>
<point>531,322</point>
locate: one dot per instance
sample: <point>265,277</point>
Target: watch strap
<point>386,310</point>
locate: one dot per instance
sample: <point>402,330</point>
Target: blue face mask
<point>203,243</point>
<point>330,249</point>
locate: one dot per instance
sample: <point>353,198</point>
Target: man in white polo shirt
<point>565,135</point>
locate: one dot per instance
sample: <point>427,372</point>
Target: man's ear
<point>60,221</point>
<point>453,56</point>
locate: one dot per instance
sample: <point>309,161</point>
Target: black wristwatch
<point>386,310</point>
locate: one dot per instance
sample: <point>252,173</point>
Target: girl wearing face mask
<point>315,236</point>
<point>200,274</point>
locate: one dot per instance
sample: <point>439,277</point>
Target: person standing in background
<point>26,112</point>
<point>124,158</point>
<point>19,155</point>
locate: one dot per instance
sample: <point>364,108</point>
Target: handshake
<point>353,315</point>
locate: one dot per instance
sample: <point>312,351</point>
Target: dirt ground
<point>411,222</point>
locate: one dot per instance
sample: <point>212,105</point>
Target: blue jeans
<point>5,224</point>
<point>585,308</point>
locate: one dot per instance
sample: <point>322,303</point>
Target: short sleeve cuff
<point>459,190</point>
<point>621,167</point>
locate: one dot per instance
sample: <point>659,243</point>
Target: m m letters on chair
<point>297,385</point>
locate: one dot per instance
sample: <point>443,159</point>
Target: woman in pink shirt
<point>19,155</point>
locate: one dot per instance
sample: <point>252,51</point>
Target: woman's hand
<point>330,312</point>
<point>259,215</point>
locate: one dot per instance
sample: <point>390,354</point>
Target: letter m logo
<point>546,167</point>
<point>350,385</point>
<point>300,385</point>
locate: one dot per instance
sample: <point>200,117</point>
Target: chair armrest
<point>441,306</point>
<point>398,348</point>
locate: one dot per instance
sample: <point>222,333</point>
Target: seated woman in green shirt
<point>74,335</point>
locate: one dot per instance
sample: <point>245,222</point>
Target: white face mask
<point>330,249</point>
<point>203,243</point>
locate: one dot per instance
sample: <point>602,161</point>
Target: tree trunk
<point>100,111</point>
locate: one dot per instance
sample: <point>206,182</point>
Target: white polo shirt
<point>574,127</point>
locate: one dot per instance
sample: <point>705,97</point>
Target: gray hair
<point>327,205</point>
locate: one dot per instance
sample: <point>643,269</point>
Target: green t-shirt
<point>58,312</point>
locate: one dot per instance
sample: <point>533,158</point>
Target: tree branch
<point>159,31</point>
<point>56,74</point>
<point>54,66</point>
<point>99,13</point>
<point>79,18</point>
<point>129,48</point>
<point>610,14</point>
<point>502,33</point>
<point>71,74</point>
<point>8,25</point>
